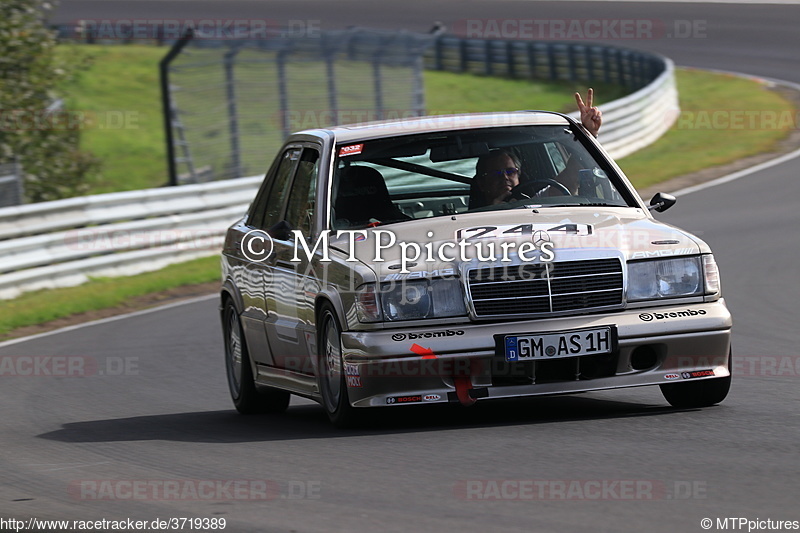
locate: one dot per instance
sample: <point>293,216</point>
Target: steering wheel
<point>527,189</point>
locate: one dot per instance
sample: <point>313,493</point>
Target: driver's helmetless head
<point>497,173</point>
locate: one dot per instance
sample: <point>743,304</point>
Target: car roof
<point>428,124</point>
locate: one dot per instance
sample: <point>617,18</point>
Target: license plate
<point>558,345</point>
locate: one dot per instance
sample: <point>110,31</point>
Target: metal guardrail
<point>546,60</point>
<point>639,119</point>
<point>65,242</point>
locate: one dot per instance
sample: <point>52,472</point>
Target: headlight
<point>406,300</point>
<point>411,300</point>
<point>665,278</point>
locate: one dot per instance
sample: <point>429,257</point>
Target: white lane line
<point>737,175</point>
<point>109,319</point>
<point>758,2</point>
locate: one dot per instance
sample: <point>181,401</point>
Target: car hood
<point>575,233</point>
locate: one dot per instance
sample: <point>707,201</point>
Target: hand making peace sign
<point>591,117</point>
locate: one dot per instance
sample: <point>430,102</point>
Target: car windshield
<point>390,180</point>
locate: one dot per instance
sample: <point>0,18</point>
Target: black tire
<point>696,394</point>
<point>331,376</point>
<point>247,397</point>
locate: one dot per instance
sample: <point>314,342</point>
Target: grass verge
<point>47,305</point>
<point>723,118</point>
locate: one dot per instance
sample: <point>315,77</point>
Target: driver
<point>495,175</point>
<point>497,172</point>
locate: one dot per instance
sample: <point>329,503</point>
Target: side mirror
<point>281,231</point>
<point>661,202</point>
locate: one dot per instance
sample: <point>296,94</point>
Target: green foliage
<point>44,140</point>
<point>122,81</point>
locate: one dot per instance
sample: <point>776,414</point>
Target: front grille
<point>542,288</point>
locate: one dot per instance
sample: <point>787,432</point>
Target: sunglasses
<point>510,171</point>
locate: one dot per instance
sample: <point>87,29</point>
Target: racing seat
<point>363,199</point>
<point>476,197</point>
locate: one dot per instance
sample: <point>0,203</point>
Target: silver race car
<point>460,259</point>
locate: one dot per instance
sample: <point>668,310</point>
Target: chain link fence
<point>231,103</point>
<point>12,187</point>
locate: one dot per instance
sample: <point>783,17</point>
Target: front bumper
<point>653,346</point>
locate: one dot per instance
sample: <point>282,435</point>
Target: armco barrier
<point>637,120</point>
<point>65,242</point>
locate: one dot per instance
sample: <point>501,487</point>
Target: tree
<point>34,129</point>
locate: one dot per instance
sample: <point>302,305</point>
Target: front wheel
<point>247,398</point>
<point>699,393</point>
<point>331,375</point>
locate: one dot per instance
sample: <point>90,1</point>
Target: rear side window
<point>269,204</point>
<point>300,210</point>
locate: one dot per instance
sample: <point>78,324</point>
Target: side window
<point>259,205</point>
<point>556,156</point>
<point>300,211</point>
<point>273,202</point>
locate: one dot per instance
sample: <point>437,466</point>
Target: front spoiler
<point>393,367</point>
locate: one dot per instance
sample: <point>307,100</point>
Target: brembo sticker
<point>649,317</point>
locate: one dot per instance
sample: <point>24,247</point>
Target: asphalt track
<point>150,402</point>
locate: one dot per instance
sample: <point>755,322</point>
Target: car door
<point>255,278</point>
<point>291,284</point>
